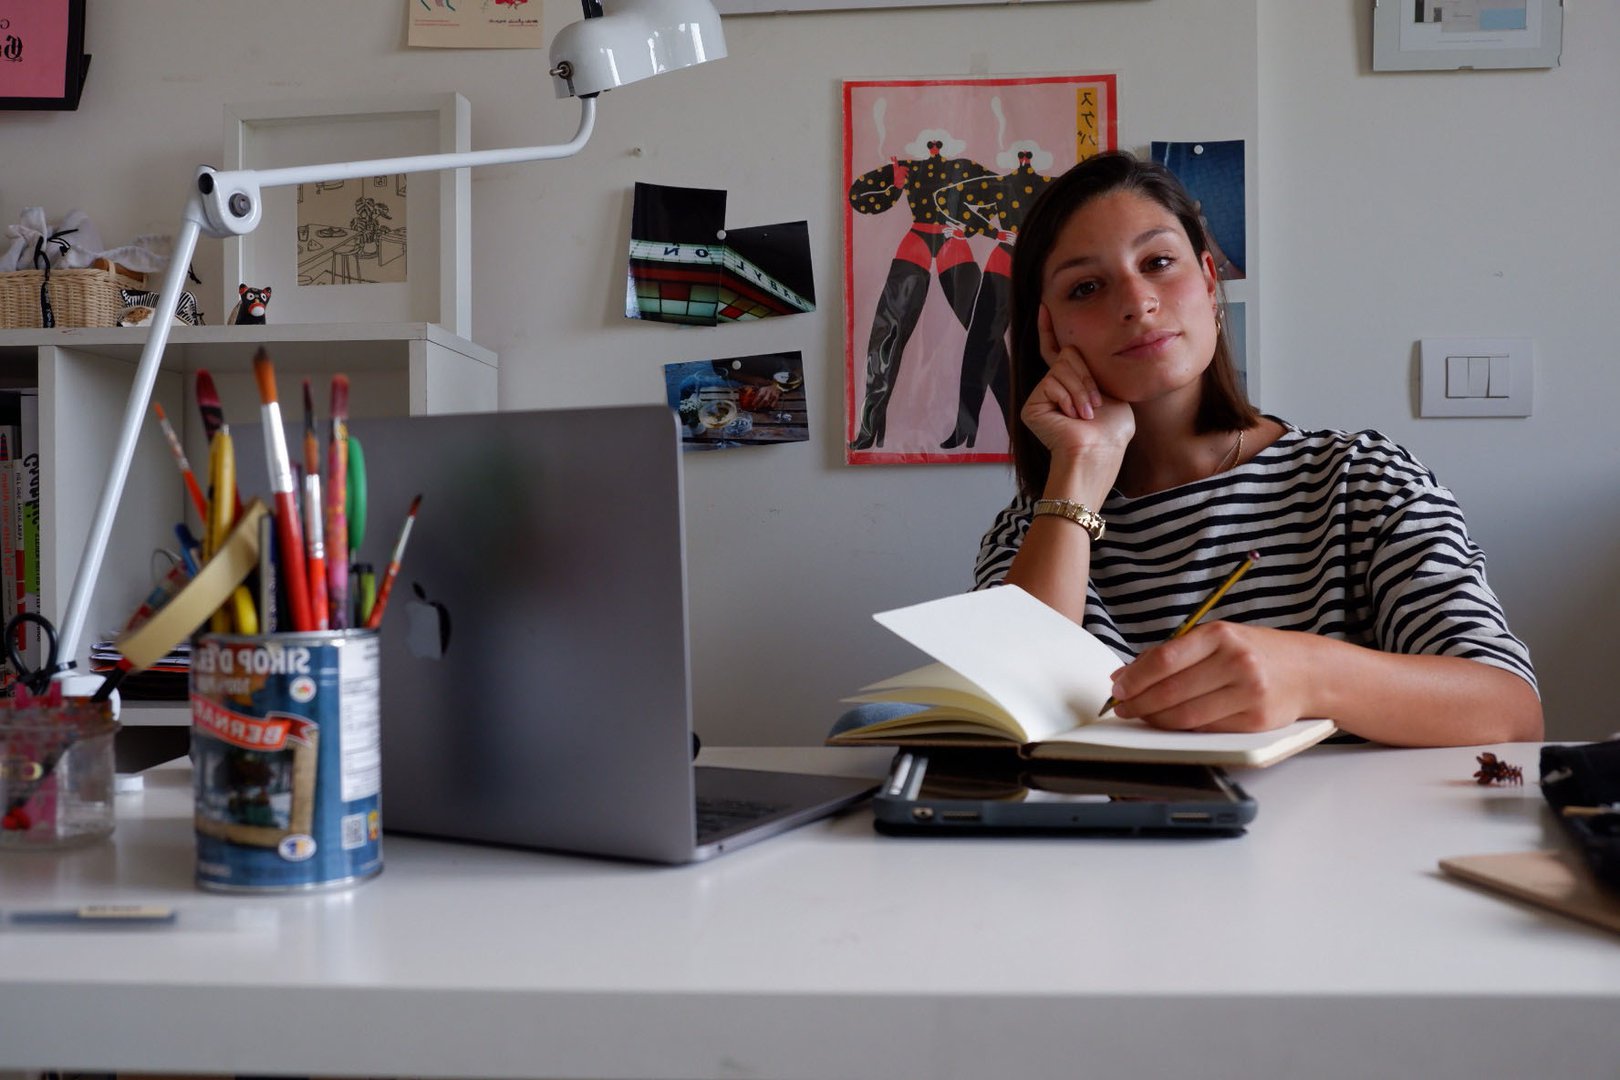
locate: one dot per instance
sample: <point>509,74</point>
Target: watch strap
<point>1077,512</point>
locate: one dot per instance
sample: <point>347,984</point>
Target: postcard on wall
<point>475,24</point>
<point>938,175</point>
<point>1212,173</point>
<point>686,267</point>
<point>352,232</point>
<point>739,401</point>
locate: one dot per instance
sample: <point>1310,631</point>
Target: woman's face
<point>1124,286</point>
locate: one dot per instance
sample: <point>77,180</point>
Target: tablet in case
<point>988,793</point>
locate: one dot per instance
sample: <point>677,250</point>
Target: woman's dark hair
<point>1222,405</point>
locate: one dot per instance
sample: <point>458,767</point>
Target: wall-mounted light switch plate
<point>1476,376</point>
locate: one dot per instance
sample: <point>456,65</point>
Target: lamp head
<point>634,40</point>
<point>230,202</point>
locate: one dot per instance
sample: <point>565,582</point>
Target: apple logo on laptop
<point>427,626</point>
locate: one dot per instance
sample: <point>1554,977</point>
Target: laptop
<point>535,665</point>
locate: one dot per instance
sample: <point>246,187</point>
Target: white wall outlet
<point>1476,376</point>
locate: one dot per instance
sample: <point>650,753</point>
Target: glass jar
<point>56,773</point>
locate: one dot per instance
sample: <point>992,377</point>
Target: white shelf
<point>84,377</point>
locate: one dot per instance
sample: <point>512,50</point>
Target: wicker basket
<point>85,297</point>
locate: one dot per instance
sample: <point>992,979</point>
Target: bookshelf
<point>84,376</point>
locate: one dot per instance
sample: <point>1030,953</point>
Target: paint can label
<point>286,760</point>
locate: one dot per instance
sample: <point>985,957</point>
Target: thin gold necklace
<point>1232,456</point>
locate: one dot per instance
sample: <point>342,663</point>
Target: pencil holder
<point>286,760</point>
<point>56,773</point>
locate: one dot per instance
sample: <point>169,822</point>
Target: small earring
<point>1217,318</point>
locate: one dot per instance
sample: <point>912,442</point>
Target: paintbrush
<point>317,551</point>
<point>312,448</point>
<point>179,453</point>
<point>289,531</point>
<point>337,498</point>
<point>387,586</point>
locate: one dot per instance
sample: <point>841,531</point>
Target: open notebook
<point>1011,671</point>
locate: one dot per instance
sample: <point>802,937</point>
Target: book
<point>8,544</point>
<point>26,521</point>
<point>1012,672</point>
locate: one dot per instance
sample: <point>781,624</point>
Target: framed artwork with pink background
<point>42,60</point>
<point>938,174</point>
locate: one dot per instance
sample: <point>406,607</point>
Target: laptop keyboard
<point>720,816</point>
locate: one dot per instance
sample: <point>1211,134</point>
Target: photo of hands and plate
<point>739,401</point>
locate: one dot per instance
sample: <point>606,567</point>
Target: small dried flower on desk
<point>1493,770</point>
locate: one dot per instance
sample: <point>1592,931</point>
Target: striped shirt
<point>1358,540</point>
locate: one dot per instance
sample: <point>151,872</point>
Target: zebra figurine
<point>185,311</point>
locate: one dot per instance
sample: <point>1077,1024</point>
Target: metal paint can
<point>286,760</point>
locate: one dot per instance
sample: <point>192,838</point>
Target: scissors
<point>38,680</point>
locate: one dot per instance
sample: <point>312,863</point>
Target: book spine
<point>34,650</point>
<point>27,549</point>
<point>16,483</point>
<point>8,542</point>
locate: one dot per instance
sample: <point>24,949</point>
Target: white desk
<point>1322,944</point>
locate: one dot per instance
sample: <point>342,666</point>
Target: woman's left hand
<point>1220,676</point>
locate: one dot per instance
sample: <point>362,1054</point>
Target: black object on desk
<point>1582,784</point>
<point>993,792</point>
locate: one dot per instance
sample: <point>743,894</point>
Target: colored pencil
<point>387,586</point>
<point>222,508</point>
<point>1203,609</point>
<point>197,498</point>
<point>365,591</point>
<point>356,502</point>
<point>213,415</point>
<point>288,528</point>
<point>337,499</point>
<point>313,536</point>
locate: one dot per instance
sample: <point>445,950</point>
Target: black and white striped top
<point>1358,541</point>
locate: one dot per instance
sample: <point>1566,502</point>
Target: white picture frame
<point>1449,35</point>
<point>267,135</point>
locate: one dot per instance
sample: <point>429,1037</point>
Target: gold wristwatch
<point>1079,513</point>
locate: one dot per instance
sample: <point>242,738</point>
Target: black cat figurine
<point>250,309</point>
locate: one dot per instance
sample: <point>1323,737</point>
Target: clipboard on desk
<point>1551,879</point>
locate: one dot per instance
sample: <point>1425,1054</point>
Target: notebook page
<point>1042,668</point>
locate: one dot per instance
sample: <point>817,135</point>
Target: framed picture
<point>771,7</point>
<point>1414,35</point>
<point>42,60</point>
<point>382,249</point>
<point>938,176</point>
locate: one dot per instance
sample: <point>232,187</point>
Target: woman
<point>1146,476</point>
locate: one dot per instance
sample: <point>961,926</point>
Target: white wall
<point>1400,206</point>
<point>1392,206</point>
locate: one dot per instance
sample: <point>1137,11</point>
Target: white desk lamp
<point>641,38</point>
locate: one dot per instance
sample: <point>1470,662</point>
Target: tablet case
<point>992,793</point>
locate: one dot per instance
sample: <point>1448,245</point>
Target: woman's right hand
<point>1069,413</point>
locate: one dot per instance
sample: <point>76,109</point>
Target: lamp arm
<point>227,204</point>
<point>95,545</point>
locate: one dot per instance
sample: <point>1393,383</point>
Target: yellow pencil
<point>222,510</point>
<point>1203,609</point>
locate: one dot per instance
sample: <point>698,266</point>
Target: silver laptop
<point>534,651</point>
